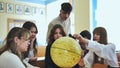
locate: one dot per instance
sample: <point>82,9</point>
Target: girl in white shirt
<point>17,41</point>
<point>100,51</point>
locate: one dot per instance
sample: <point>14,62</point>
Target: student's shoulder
<point>9,56</point>
<point>55,20</point>
<point>112,45</point>
<point>11,60</point>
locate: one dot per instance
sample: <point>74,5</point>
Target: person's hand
<point>32,39</point>
<point>81,39</point>
<point>32,42</point>
<point>77,36</point>
<point>81,62</point>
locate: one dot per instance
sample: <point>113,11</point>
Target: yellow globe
<point>66,52</point>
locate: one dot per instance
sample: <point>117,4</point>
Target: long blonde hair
<point>9,43</point>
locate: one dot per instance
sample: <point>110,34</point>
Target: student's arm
<point>101,50</point>
<point>104,51</point>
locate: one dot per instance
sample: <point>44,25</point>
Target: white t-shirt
<point>104,51</point>
<point>10,60</point>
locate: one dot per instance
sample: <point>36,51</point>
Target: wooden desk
<point>39,63</point>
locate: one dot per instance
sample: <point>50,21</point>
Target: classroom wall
<point>81,13</point>
<point>82,18</point>
<point>4,16</point>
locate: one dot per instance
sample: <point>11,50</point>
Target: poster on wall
<point>34,10</point>
<point>1,7</point>
<point>42,11</point>
<point>10,8</point>
<point>19,9</point>
<point>27,9</point>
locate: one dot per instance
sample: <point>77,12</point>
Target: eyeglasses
<point>26,39</point>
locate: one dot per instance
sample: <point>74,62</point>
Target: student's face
<point>33,33</point>
<point>96,37</point>
<point>57,34</point>
<point>23,44</point>
<point>64,15</point>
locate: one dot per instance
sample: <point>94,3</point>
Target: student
<point>86,34</point>
<point>56,32</point>
<point>30,55</point>
<point>62,19</point>
<point>100,47</point>
<point>17,41</point>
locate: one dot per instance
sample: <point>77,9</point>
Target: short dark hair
<point>86,34</point>
<point>66,7</point>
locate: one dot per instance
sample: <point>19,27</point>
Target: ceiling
<point>43,2</point>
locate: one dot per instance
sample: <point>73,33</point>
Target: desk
<point>97,65</point>
<point>39,63</point>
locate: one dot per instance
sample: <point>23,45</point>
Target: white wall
<point>38,18</point>
<point>42,28</point>
<point>50,11</point>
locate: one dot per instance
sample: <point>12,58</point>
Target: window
<point>106,14</point>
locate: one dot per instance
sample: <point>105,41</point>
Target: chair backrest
<point>118,56</point>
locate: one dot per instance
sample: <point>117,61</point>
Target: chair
<point>97,65</point>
